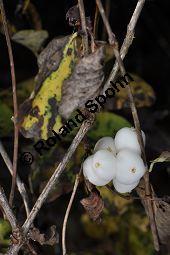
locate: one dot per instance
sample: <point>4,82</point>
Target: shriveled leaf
<point>73,15</point>
<point>143,93</point>
<point>31,39</point>
<point>83,84</point>
<point>93,205</point>
<point>64,83</point>
<point>39,114</point>
<point>162,217</point>
<point>161,213</point>
<point>107,124</point>
<point>50,238</point>
<point>165,156</point>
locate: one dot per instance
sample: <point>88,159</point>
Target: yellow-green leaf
<point>43,115</point>
<point>143,93</point>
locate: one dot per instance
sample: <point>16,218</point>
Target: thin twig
<point>96,22</point>
<point>113,42</point>
<point>83,25</point>
<point>127,41</point>
<point>59,170</point>
<point>77,180</point>
<point>107,11</point>
<point>7,210</point>
<point>12,68</point>
<point>20,184</point>
<point>54,178</point>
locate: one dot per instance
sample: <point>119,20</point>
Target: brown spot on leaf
<point>34,112</point>
<point>69,51</point>
<point>54,112</point>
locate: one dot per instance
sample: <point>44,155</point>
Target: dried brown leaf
<point>161,212</point>
<point>162,218</point>
<point>50,238</point>
<point>64,83</point>
<point>93,205</point>
<point>73,15</point>
<point>84,83</point>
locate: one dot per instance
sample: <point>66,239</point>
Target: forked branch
<point>20,184</point>
<point>54,178</point>
<point>12,68</point>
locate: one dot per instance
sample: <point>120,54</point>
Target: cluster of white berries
<point>116,159</point>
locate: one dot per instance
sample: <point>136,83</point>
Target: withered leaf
<point>50,238</point>
<point>162,218</point>
<point>161,214</point>
<point>39,114</point>
<point>64,82</point>
<point>73,15</point>
<point>93,205</point>
<point>83,84</point>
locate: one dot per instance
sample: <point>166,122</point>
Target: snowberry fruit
<point>106,143</point>
<point>89,174</point>
<point>124,188</point>
<point>130,167</point>
<point>104,164</point>
<point>126,138</point>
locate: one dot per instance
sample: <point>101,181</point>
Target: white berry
<point>89,174</point>
<point>123,188</point>
<point>106,143</point>
<point>126,138</point>
<point>130,167</point>
<point>104,164</point>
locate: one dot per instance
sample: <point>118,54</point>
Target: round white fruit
<point>89,174</point>
<point>124,188</point>
<point>106,143</point>
<point>126,138</point>
<point>104,164</point>
<point>130,167</point>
